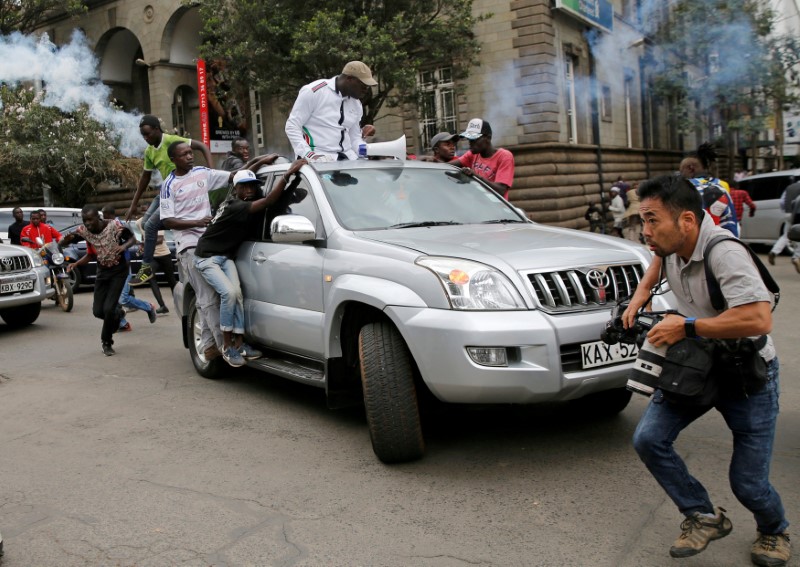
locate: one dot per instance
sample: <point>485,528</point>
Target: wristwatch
<point>688,327</point>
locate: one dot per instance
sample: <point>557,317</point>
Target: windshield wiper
<point>425,223</point>
<point>502,221</point>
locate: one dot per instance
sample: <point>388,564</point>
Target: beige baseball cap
<point>360,71</point>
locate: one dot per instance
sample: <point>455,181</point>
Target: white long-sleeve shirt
<point>617,208</point>
<point>323,121</point>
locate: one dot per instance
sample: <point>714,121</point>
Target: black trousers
<point>107,289</point>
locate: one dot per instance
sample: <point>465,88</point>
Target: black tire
<point>604,404</point>
<point>206,368</point>
<point>22,315</point>
<point>390,397</point>
<point>64,296</point>
<point>75,279</point>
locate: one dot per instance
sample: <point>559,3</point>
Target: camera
<point>648,365</point>
<point>615,332</point>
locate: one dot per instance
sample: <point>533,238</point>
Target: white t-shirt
<point>186,198</point>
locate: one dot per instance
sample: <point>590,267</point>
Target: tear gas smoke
<point>70,77</point>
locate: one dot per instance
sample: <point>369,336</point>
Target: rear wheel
<point>390,397</point>
<point>215,368</point>
<point>75,278</point>
<point>64,295</point>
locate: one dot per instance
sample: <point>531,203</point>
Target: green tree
<point>24,16</point>
<point>276,46</point>
<point>726,72</point>
<point>43,146</point>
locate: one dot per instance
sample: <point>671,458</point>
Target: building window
<point>571,106</point>
<point>605,103</point>
<point>255,112</point>
<point>628,117</point>
<point>437,104</point>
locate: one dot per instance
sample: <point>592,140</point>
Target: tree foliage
<point>43,146</point>
<point>25,16</point>
<point>726,70</point>
<point>277,46</point>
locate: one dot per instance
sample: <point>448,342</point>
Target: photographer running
<point>677,230</point>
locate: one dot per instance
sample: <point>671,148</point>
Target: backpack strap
<point>714,291</point>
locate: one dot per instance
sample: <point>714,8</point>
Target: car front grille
<point>13,264</point>
<point>584,288</point>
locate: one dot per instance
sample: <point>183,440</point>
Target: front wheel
<point>390,397</point>
<point>206,368</point>
<point>64,295</point>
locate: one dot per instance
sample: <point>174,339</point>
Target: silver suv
<point>387,281</point>
<point>24,284</point>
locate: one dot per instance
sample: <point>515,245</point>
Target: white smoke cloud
<point>71,78</point>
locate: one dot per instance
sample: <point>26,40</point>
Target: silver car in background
<point>384,282</point>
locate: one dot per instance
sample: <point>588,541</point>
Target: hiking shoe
<point>771,258</point>
<point>144,275</point>
<point>152,313</point>
<point>697,531</point>
<point>162,310</point>
<point>249,353</point>
<point>233,357</point>
<point>108,350</point>
<point>211,353</point>
<point>771,550</point>
<point>126,327</point>
<point>796,262</point>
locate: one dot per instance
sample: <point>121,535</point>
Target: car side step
<point>293,370</point>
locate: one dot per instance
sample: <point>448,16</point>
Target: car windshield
<point>406,197</point>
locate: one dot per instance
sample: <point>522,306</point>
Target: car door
<point>282,282</point>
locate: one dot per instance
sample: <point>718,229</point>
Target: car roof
<point>361,164</point>
<point>784,173</point>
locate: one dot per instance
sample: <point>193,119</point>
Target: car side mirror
<point>292,228</point>
<point>39,241</point>
<point>794,233</point>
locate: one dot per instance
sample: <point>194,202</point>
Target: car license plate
<point>13,287</point>
<point>600,354</point>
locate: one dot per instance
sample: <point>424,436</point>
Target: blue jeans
<point>131,302</point>
<point>220,273</point>
<point>752,422</point>
<point>151,221</point>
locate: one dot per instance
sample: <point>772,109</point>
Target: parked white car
<point>765,189</point>
<point>24,284</point>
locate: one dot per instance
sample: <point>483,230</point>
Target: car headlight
<point>37,260</point>
<point>473,286</point>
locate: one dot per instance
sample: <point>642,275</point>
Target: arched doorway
<point>119,50</point>
<point>185,110</point>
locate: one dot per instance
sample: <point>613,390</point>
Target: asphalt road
<point>136,460</point>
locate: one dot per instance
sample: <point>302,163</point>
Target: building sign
<point>221,115</point>
<point>597,13</point>
<point>201,89</point>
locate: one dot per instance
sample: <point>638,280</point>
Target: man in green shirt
<point>155,159</point>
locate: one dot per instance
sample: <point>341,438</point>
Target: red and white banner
<point>205,130</point>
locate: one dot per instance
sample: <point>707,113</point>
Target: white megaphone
<point>395,148</point>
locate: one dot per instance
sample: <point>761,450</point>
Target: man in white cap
<point>617,208</point>
<point>325,122</point>
<point>494,165</point>
<point>216,250</point>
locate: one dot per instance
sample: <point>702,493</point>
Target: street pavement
<point>136,460</point>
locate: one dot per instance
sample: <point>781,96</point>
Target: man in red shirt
<point>494,165</point>
<point>38,229</point>
<point>740,199</point>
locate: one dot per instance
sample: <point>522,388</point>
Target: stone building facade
<point>575,120</point>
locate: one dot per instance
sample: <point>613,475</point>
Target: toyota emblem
<point>8,264</point>
<point>598,281</point>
